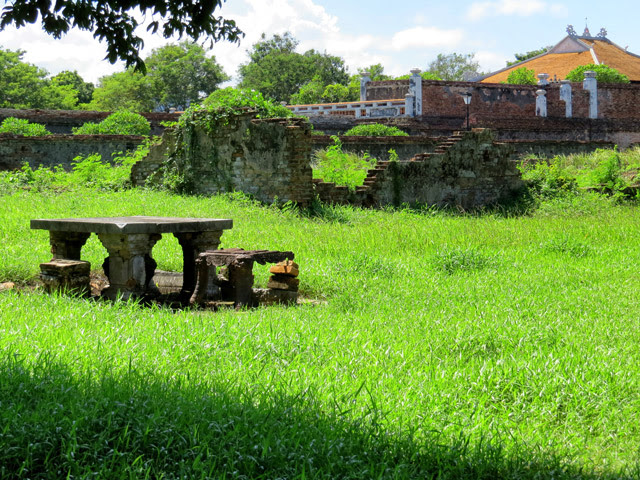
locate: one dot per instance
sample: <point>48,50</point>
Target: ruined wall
<point>52,150</point>
<point>470,170</point>
<point>267,159</point>
<point>62,121</point>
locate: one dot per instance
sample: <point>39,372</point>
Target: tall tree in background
<point>74,80</point>
<point>128,90</point>
<point>177,75</point>
<point>455,67</point>
<point>521,57</point>
<point>23,85</point>
<point>277,71</point>
<point>114,21</point>
<point>182,74</point>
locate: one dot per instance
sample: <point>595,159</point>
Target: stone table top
<point>132,225</point>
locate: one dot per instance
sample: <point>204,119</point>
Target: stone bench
<point>236,281</point>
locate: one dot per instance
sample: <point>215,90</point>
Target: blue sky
<point>400,35</point>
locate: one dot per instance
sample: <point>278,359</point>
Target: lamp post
<point>466,96</point>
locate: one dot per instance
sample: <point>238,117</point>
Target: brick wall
<point>52,150</point>
<point>267,159</point>
<point>387,89</point>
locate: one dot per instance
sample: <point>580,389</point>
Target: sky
<point>400,35</point>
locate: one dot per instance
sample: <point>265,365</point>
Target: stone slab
<point>134,224</point>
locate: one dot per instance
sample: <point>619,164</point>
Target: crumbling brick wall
<point>268,159</point>
<point>52,150</point>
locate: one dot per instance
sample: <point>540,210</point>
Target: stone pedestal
<point>66,276</point>
<point>193,244</point>
<point>129,266</point>
<point>67,244</point>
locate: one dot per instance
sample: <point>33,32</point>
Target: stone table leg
<point>67,245</point>
<point>129,266</point>
<point>193,244</point>
<point>241,282</point>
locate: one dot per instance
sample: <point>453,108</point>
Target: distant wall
<point>62,121</point>
<point>52,150</point>
<point>387,89</point>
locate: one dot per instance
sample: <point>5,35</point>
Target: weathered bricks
<point>66,276</point>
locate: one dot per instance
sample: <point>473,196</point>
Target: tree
<point>521,57</point>
<point>180,75</point>
<point>128,90</point>
<point>455,67</point>
<point>604,74</point>
<point>20,82</point>
<point>277,71</point>
<point>522,76</point>
<point>376,72</point>
<point>114,21</point>
<point>74,80</point>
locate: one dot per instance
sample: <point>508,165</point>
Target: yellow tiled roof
<point>560,64</point>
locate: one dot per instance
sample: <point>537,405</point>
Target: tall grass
<point>428,345</point>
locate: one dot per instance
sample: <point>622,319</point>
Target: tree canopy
<point>177,76</point>
<point>604,74</point>
<point>455,67</point>
<point>277,71</point>
<point>522,76</point>
<point>23,85</point>
<point>521,57</point>
<point>114,21</point>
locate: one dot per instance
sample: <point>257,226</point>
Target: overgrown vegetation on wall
<point>334,165</point>
<point>21,126</point>
<point>122,122</point>
<point>375,130</point>
<point>608,171</point>
<point>604,74</point>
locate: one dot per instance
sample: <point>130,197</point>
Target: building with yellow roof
<point>574,51</point>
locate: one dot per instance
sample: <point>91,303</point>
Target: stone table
<point>129,241</point>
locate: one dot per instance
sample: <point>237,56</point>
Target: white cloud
<point>490,61</point>
<point>426,37</point>
<point>522,8</point>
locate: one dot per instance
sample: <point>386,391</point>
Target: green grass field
<point>429,345</point>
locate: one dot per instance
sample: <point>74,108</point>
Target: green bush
<point>341,168</point>
<point>375,130</point>
<point>21,126</point>
<point>522,76</point>
<point>235,99</point>
<point>604,74</point>
<point>122,122</point>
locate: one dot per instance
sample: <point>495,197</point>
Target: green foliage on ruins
<point>122,122</point>
<point>234,100</point>
<point>334,165</point>
<point>317,92</point>
<point>429,344</point>
<point>605,170</point>
<point>277,71</point>
<point>375,130</point>
<point>522,76</point>
<point>604,74</point>
<point>21,126</point>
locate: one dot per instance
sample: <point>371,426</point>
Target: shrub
<point>122,122</point>
<point>604,74</point>
<point>522,76</point>
<point>21,126</point>
<point>234,99</point>
<point>341,168</point>
<point>375,130</point>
